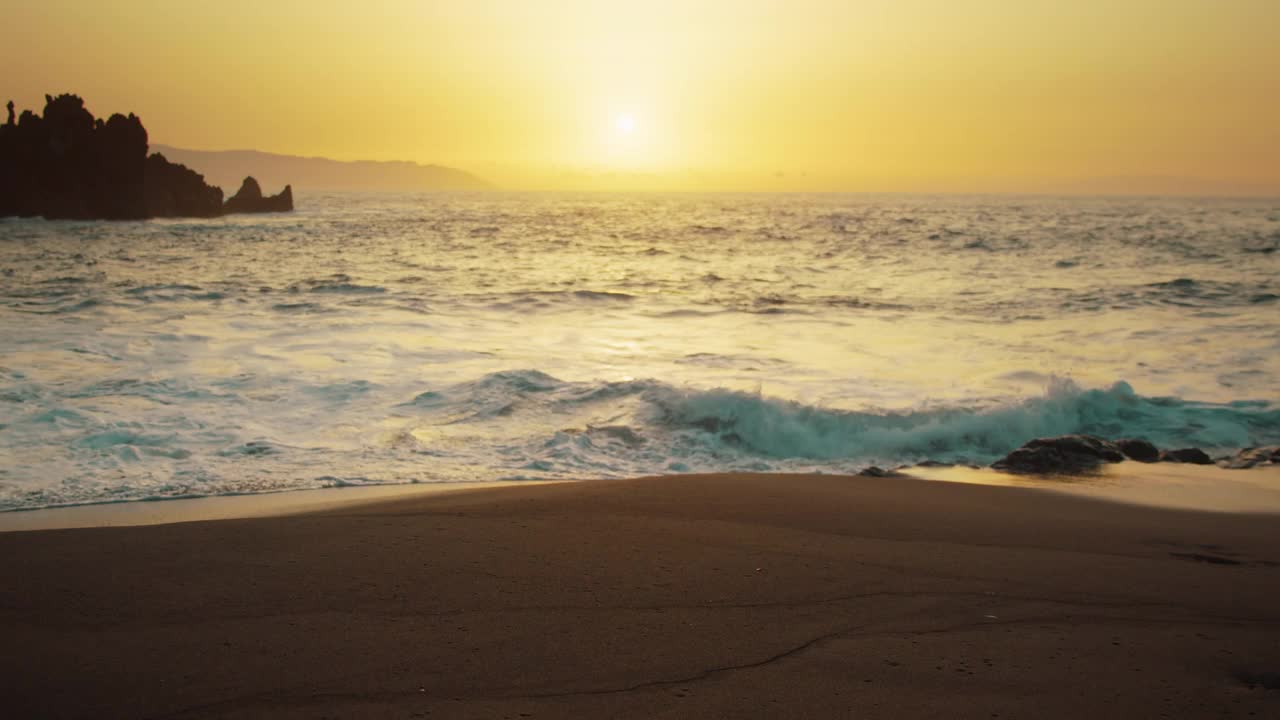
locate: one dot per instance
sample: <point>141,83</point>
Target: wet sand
<point>224,507</point>
<point>691,596</point>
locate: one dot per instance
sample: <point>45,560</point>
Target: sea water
<point>460,337</point>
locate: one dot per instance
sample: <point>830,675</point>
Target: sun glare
<point>625,140</point>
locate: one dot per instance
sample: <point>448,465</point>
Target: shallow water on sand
<point>440,338</point>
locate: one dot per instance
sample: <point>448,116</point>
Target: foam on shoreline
<point>1162,485</point>
<point>222,507</point>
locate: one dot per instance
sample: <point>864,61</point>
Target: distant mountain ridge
<point>311,174</point>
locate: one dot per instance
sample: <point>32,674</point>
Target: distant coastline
<point>312,174</point>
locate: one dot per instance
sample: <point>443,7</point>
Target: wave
<point>530,424</point>
<point>719,421</point>
<point>301,308</point>
<point>346,288</point>
<point>50,305</point>
<point>1179,293</point>
<point>788,430</point>
<point>173,292</point>
<point>601,295</point>
<point>714,295</point>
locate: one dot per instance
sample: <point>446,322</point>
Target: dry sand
<point>771,596</point>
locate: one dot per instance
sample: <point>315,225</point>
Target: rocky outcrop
<point>177,191</point>
<point>249,199</point>
<point>1074,454</point>
<point>1193,456</point>
<point>1253,457</point>
<point>1065,455</point>
<point>1140,450</point>
<point>65,164</point>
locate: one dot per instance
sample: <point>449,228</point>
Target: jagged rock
<point>1138,449</point>
<point>65,164</point>
<point>178,191</point>
<point>1193,456</point>
<point>1253,457</point>
<point>249,199</point>
<point>1065,455</point>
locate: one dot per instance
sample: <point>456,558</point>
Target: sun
<point>624,138</point>
<point>624,123</point>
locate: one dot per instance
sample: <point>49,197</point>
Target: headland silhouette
<point>68,165</point>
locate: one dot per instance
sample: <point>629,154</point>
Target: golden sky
<point>954,95</point>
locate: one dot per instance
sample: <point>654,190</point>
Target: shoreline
<point>675,596</point>
<point>1167,485</point>
<point>165,511</point>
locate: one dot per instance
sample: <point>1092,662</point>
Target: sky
<point>816,95</point>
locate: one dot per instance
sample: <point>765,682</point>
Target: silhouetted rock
<point>177,191</point>
<point>1140,450</point>
<point>1193,456</point>
<point>249,199</point>
<point>1253,457</point>
<point>65,164</point>
<point>1065,455</point>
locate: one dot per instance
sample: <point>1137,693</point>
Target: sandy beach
<point>690,596</point>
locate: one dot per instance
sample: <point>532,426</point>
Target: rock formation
<point>1075,454</point>
<point>177,191</point>
<point>65,164</point>
<point>1065,455</point>
<point>249,199</point>
<point>1253,457</point>
<point>1139,450</point>
<point>1194,456</point>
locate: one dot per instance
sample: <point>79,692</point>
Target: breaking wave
<point>528,424</point>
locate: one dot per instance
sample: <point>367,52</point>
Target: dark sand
<point>683,597</point>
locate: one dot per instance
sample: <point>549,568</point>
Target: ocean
<point>440,338</point>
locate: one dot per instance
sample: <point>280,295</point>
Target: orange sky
<point>955,95</point>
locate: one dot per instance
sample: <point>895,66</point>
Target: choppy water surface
<point>441,338</point>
